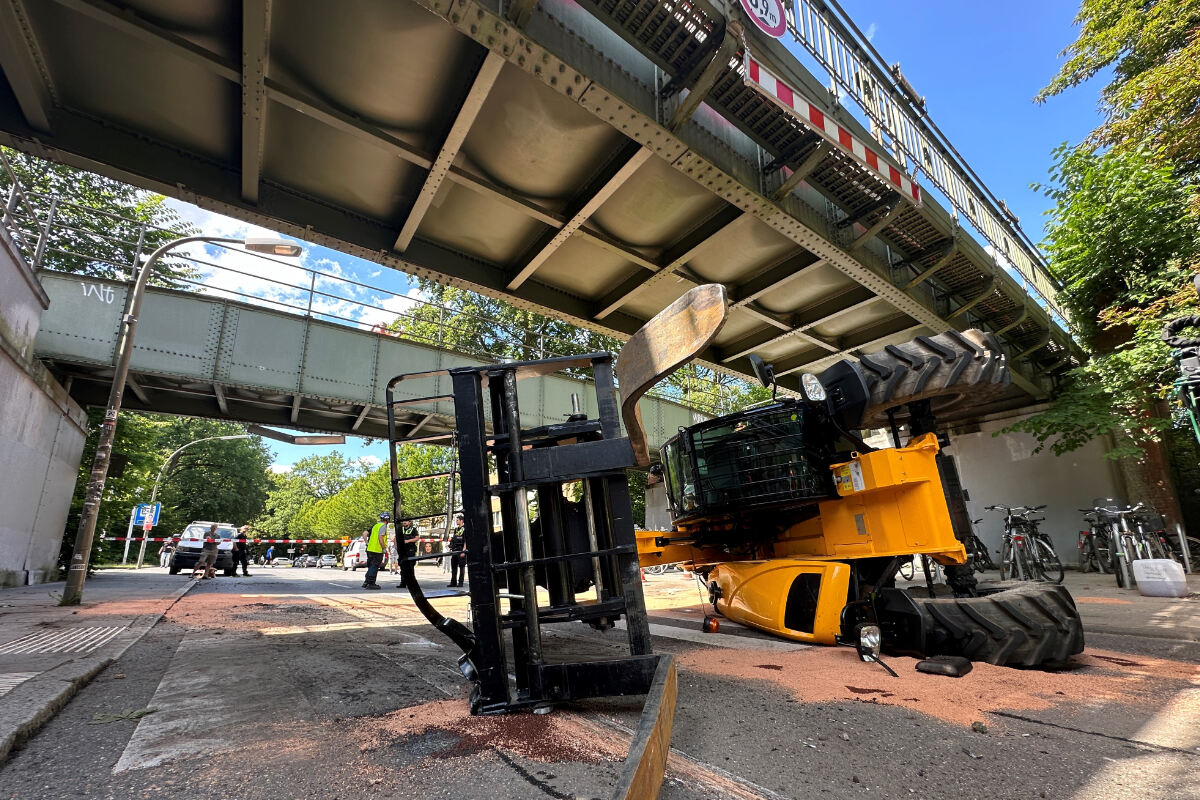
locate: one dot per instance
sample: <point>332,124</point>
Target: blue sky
<point>978,65</point>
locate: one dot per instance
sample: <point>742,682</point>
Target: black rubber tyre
<point>172,569</point>
<point>1027,624</point>
<point>953,370</point>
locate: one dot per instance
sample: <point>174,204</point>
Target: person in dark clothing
<point>408,536</point>
<point>458,556</point>
<point>241,553</point>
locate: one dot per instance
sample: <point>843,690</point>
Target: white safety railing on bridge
<point>58,235</point>
<point>898,115</point>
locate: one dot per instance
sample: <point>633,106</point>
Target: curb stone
<point>41,697</point>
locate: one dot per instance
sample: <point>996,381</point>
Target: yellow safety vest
<point>375,542</point>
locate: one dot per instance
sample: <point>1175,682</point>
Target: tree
<point>1125,244</point>
<point>358,506</point>
<point>223,481</point>
<point>1153,48</point>
<point>311,479</point>
<point>101,226</point>
<point>489,328</point>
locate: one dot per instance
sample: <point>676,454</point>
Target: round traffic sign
<point>767,15</point>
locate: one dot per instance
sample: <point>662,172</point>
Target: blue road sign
<point>141,511</point>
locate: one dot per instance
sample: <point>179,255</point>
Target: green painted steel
<point>189,343</point>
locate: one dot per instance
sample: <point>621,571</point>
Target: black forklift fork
<point>507,562</point>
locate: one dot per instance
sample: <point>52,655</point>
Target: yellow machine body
<point>890,503</point>
<point>778,596</point>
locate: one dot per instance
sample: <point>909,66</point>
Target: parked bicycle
<point>977,553</point>
<point>1095,548</point>
<point>1026,553</point>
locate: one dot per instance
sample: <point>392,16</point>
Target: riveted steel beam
<point>895,207</point>
<point>792,267</point>
<point>485,78</point>
<point>256,33</point>
<point>1057,365</point>
<point>222,403</point>
<point>984,294</point>
<point>24,67</point>
<point>361,416</point>
<point>137,389</point>
<point>700,87</point>
<point>296,399</point>
<point>1031,350</point>
<point>519,12</point>
<point>1024,315</point>
<point>673,258</point>
<point>948,249</point>
<point>803,169</point>
<point>623,167</point>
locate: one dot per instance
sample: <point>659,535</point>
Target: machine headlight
<point>813,390</point>
<point>869,641</point>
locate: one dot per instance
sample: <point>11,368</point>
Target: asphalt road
<point>298,684</point>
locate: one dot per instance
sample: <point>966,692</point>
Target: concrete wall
<point>1003,469</point>
<point>41,434</point>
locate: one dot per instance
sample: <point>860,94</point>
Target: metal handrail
<point>314,294</point>
<point>828,34</point>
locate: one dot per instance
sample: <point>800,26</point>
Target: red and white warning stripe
<point>760,78</point>
<point>248,541</point>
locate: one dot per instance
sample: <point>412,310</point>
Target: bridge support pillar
<point>42,431</point>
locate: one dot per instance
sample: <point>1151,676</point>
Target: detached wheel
<point>1027,625</point>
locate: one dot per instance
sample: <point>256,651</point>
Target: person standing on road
<point>376,546</point>
<point>270,555</point>
<point>241,552</point>
<point>206,564</point>
<point>458,556</point>
<point>410,535</point>
<point>164,555</point>
<point>393,555</point>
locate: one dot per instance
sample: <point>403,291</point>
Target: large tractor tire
<point>952,370</point>
<point>1026,624</point>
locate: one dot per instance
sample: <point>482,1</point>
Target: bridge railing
<point>59,235</point>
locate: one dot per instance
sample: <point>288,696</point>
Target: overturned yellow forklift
<point>798,527</point>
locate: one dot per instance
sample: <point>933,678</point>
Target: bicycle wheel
<point>1193,552</point>
<point>1100,543</point>
<point>1050,564</point>
<point>1008,567</point>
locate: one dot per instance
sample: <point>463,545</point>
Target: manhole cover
<point>70,640</point>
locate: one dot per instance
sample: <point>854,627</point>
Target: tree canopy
<point>1153,49</point>
<point>102,227</point>
<point>310,480</point>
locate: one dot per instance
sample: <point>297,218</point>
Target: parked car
<point>281,561</point>
<point>187,550</point>
<point>327,560</point>
<point>355,555</point>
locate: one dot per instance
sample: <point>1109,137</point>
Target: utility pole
<point>77,572</point>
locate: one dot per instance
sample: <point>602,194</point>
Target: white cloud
<point>870,34</point>
<point>280,469</point>
<point>371,462</point>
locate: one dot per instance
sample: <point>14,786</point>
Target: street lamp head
<point>274,247</point>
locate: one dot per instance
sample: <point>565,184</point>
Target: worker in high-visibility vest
<point>376,547</point>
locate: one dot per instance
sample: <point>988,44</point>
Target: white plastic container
<point>1159,577</point>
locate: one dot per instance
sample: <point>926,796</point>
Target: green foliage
<point>357,507</point>
<point>1125,244</point>
<point>310,479</point>
<point>1153,48</point>
<point>224,481</point>
<point>98,222</point>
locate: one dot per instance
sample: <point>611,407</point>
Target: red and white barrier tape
<point>247,541</point>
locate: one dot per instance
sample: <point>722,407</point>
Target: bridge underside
<point>554,156</point>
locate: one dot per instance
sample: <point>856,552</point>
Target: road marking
<point>70,640</point>
<point>11,680</point>
<point>201,707</point>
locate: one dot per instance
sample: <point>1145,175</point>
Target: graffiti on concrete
<point>104,294</point>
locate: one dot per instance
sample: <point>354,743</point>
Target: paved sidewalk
<point>1106,609</point>
<point>48,652</point>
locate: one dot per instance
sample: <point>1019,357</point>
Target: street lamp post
<point>162,473</point>
<point>77,573</point>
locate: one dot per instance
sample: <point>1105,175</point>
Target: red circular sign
<point>767,15</point>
